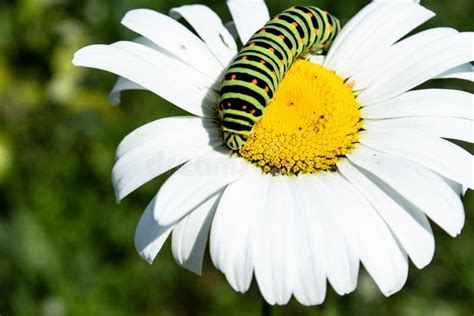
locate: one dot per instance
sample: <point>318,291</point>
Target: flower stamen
<point>311,122</point>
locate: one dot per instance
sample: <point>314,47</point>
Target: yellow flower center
<point>312,120</point>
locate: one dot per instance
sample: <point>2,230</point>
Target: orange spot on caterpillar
<point>303,40</point>
<point>229,105</point>
<point>282,37</point>
<point>310,14</point>
<point>244,107</point>
<point>233,77</point>
<point>325,13</point>
<point>267,89</point>
<point>263,30</point>
<point>316,31</point>
<point>254,81</point>
<point>330,28</point>
<point>271,49</point>
<point>263,62</point>
<point>277,17</point>
<point>244,57</point>
<point>221,106</point>
<point>292,52</point>
<point>252,44</point>
<point>252,111</point>
<point>282,62</point>
<point>294,24</point>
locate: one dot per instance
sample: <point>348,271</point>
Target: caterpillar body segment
<point>253,77</point>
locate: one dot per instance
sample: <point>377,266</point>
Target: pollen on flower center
<point>312,120</point>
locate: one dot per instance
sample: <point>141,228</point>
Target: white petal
<point>464,72</point>
<point>368,235</point>
<point>445,127</point>
<point>164,129</point>
<point>173,37</point>
<point>416,64</point>
<point>192,96</point>
<point>409,225</point>
<point>249,16</point>
<point>167,63</point>
<point>385,60</point>
<point>421,187</point>
<point>310,253</point>
<point>231,240</point>
<point>145,41</point>
<point>427,102</point>
<point>457,187</point>
<point>328,238</point>
<point>273,254</point>
<point>317,59</point>
<point>122,84</point>
<point>195,182</point>
<point>380,28</point>
<point>189,238</point>
<point>209,27</point>
<point>345,35</point>
<point>149,235</point>
<point>437,154</point>
<point>157,147</point>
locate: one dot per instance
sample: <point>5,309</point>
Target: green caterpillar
<point>253,77</point>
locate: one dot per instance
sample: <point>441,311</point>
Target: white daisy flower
<point>364,156</point>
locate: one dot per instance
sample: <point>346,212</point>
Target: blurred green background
<point>66,248</point>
